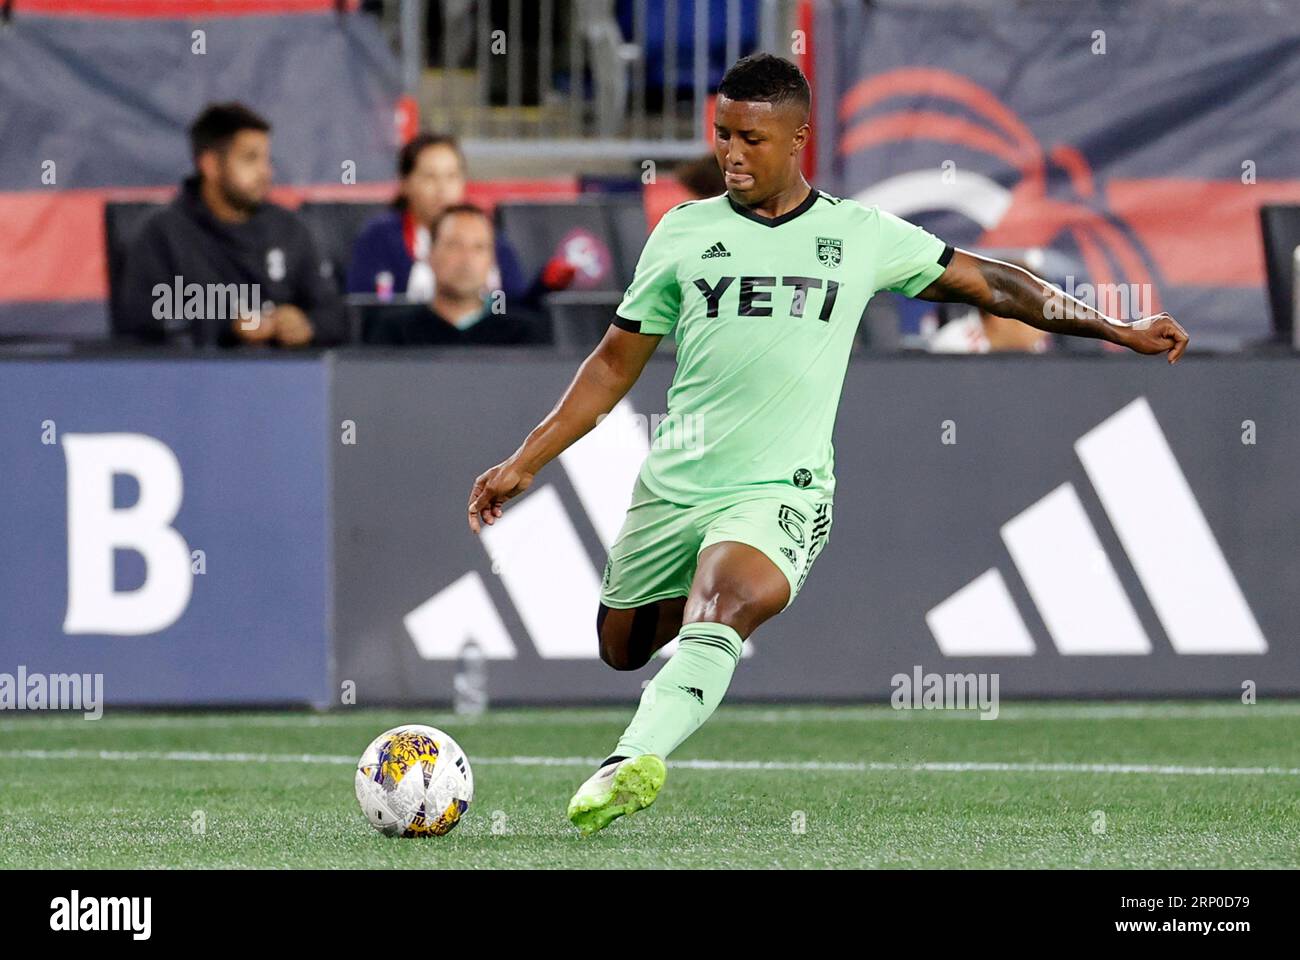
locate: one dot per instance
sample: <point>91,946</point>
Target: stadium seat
<point>602,236</point>
<point>608,184</point>
<point>1281,226</point>
<point>658,13</point>
<point>335,227</point>
<point>580,230</point>
<point>122,222</point>
<point>579,320</point>
<point>591,233</point>
<point>628,224</point>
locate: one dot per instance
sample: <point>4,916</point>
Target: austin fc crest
<point>830,251</point>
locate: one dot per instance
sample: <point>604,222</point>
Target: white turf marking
<point>737,715</point>
<point>808,766</point>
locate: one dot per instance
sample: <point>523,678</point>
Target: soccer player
<point>765,285</point>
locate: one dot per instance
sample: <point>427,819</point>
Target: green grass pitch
<point>1045,785</point>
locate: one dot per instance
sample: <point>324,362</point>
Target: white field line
<point>49,720</point>
<point>814,766</point>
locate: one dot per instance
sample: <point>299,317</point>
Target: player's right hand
<point>493,488</point>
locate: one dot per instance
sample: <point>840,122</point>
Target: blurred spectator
<point>971,330</point>
<point>391,255</point>
<point>974,331</point>
<point>221,265</point>
<point>702,177</point>
<point>696,179</point>
<point>463,310</point>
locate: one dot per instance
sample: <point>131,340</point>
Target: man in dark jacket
<point>221,265</point>
<point>462,311</point>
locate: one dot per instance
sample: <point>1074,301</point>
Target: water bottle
<point>470,696</point>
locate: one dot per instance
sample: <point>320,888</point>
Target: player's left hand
<point>1156,334</point>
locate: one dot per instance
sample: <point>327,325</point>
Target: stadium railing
<point>593,78</point>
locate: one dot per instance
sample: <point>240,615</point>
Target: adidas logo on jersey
<point>717,250</point>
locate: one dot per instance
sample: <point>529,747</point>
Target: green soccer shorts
<point>655,554</point>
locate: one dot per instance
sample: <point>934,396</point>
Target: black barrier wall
<point>1082,527</point>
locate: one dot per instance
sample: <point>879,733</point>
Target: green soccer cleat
<point>617,789</point>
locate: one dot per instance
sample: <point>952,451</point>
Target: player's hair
<point>217,125</point>
<point>409,156</point>
<point>454,210</point>
<point>764,77</point>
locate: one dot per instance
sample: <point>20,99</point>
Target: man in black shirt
<point>461,254</point>
<point>222,265</point>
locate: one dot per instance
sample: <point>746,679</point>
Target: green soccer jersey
<point>765,311</point>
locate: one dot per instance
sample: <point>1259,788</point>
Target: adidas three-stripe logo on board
<point>1073,583</point>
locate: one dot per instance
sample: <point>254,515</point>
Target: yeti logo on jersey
<point>830,251</point>
<point>802,477</point>
<point>755,295</point>
<point>275,264</point>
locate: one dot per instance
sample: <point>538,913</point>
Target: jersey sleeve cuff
<point>654,327</point>
<point>929,274</point>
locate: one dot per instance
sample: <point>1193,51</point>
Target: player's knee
<point>737,603</point>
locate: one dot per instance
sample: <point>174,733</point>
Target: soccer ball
<point>414,781</point>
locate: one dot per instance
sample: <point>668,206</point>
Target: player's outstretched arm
<point>1006,290</point>
<point>602,381</point>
